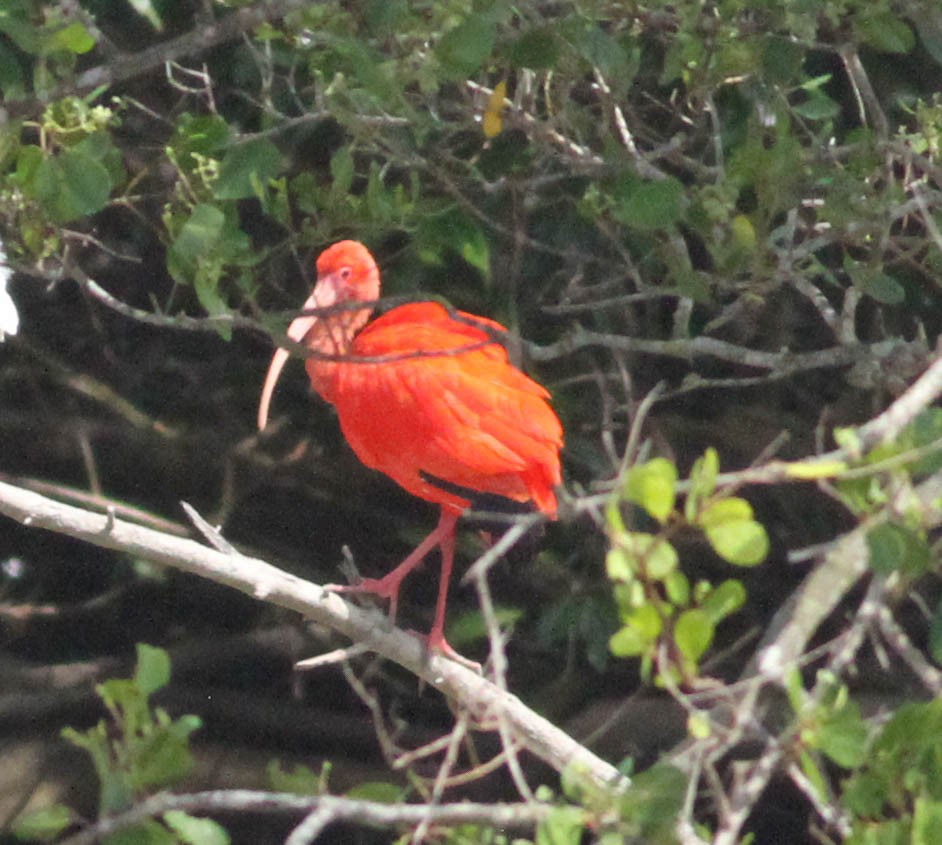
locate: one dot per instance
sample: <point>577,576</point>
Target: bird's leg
<point>387,587</point>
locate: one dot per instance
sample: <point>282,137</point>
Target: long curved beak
<point>297,331</point>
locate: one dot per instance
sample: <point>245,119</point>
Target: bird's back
<point>437,406</point>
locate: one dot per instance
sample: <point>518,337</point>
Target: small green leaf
<point>153,668</point>
<point>195,831</point>
<point>702,482</point>
<point>649,205</point>
<point>927,820</point>
<point>619,564</point>
<point>732,509</point>
<point>874,282</point>
<point>462,50</point>
<point>894,548</point>
<point>149,832</point>
<point>661,559</point>
<point>563,826</point>
<point>724,600</point>
<point>647,622</point>
<point>12,80</point>
<point>677,587</point>
<point>654,802</point>
<point>652,485</point>
<point>742,543</point>
<point>627,642</point>
<point>71,185</point>
<point>733,534</point>
<point>298,779</point>
<point>818,106</point>
<point>698,725</point>
<point>197,239</point>
<point>341,171</point>
<point>379,791</point>
<point>885,32</point>
<point>244,166</point>
<point>537,49</point>
<point>842,733</point>
<point>73,38</point>
<point>43,825</point>
<point>693,633</point>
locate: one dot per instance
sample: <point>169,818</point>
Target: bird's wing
<point>439,399</point>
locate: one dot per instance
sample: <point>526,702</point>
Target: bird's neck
<point>332,338</point>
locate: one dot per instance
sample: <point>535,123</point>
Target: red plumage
<point>428,397</point>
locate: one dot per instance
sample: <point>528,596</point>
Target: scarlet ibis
<point>428,396</point>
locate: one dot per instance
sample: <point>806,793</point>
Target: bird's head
<point>346,274</point>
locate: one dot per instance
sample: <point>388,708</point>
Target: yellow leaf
<point>492,123</point>
<point>811,470</point>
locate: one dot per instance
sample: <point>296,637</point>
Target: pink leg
<point>387,587</point>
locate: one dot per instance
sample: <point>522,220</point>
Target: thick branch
<point>265,582</point>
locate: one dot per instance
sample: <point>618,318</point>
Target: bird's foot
<point>384,588</point>
<point>435,641</point>
<point>381,587</point>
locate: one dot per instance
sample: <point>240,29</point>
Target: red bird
<point>429,397</point>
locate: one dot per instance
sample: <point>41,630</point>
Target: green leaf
<point>43,825</point>
<point>195,831</point>
<point>619,564</point>
<point>842,735</point>
<point>894,548</point>
<point>73,38</point>
<point>927,821</point>
<point>724,600</point>
<point>379,791</point>
<point>874,282</point>
<point>702,482</point>
<point>818,106</point>
<point>879,286</point>
<point>693,633</point>
<point>883,31</point>
<point>653,804</point>
<point>733,534</point>
<point>299,779</point>
<point>244,166</point>
<point>563,826</point>
<point>640,551</point>
<point>12,80</point>
<point>202,134</point>
<point>602,51</point>
<point>72,185</point>
<point>17,24</point>
<point>463,50</point>
<point>153,668</point>
<point>197,239</point>
<point>537,49</point>
<point>649,205</point>
<point>149,832</point>
<point>653,486</point>
<point>627,642</point>
<point>164,758</point>
<point>677,587</point>
<point>341,171</point>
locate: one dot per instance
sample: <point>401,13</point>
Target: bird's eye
<point>345,274</point>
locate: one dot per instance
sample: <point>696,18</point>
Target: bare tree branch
<point>329,809</point>
<point>267,583</point>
